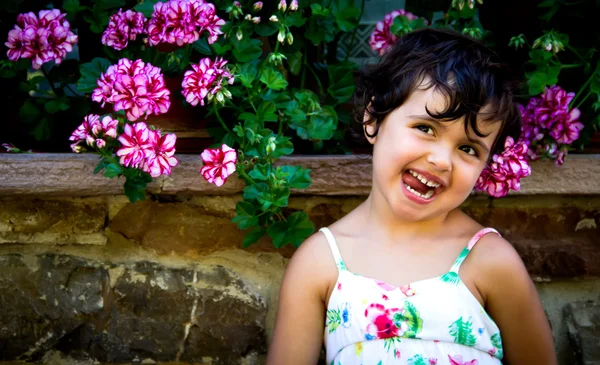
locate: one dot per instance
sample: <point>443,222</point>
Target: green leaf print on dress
<point>462,331</point>
<point>413,320</point>
<point>420,360</point>
<point>497,342</point>
<point>334,320</point>
<point>451,277</point>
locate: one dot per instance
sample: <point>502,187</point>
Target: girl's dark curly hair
<point>470,75</point>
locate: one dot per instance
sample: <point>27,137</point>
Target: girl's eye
<point>425,128</point>
<point>469,150</point>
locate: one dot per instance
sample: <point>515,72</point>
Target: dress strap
<point>334,248</point>
<point>465,252</point>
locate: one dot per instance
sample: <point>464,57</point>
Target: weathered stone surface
<point>583,324</point>
<point>71,175</point>
<point>67,304</point>
<point>27,221</point>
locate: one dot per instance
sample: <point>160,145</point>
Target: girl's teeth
<point>422,179</point>
<point>425,196</point>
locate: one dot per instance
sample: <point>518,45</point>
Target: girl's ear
<point>370,130</point>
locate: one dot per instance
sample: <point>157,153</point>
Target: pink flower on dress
<point>433,361</point>
<point>159,157</point>
<point>206,79</point>
<point>407,290</point>
<point>136,145</point>
<point>506,170</point>
<point>384,286</point>
<point>397,354</point>
<point>122,28</point>
<point>382,37</point>
<point>219,164</point>
<point>183,21</point>
<point>383,322</point>
<point>41,38</point>
<point>457,360</point>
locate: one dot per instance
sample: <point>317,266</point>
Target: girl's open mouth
<point>419,187</point>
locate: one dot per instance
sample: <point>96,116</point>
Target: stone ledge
<point>71,175</point>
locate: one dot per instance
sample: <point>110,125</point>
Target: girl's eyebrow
<point>429,118</point>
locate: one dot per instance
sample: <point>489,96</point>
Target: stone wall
<point>87,277</point>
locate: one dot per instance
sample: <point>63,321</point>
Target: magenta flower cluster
<point>146,149</point>
<point>41,38</point>
<point>548,124</point>
<point>206,78</point>
<point>382,37</point>
<point>122,28</point>
<point>136,87</point>
<point>183,21</point>
<point>506,170</point>
<point>94,132</point>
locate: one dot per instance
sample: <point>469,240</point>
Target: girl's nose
<point>440,158</point>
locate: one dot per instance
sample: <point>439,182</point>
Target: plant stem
<point>216,110</point>
<point>317,78</point>
<point>247,177</point>
<point>585,84</point>
<point>49,81</point>
<point>578,55</point>
<point>573,65</point>
<point>303,77</point>
<point>362,9</point>
<point>584,99</point>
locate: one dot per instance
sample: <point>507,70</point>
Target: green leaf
<point>252,191</point>
<point>539,79</point>
<point>320,29</point>
<point>245,215</point>
<point>101,165</point>
<point>247,49</point>
<point>341,81</point>
<point>201,46</point>
<point>333,320</point>
<point>266,112</point>
<point>273,79</point>
<point>294,19</point>
<point>413,320</point>
<point>451,277</point>
<point>111,4</point>
<point>90,73</point>
<point>297,228</point>
<point>318,127</point>
<point>112,170</point>
<point>57,105</point>
<point>252,236</point>
<point>42,131</point>
<point>284,147</point>
<point>98,18</point>
<point>296,176</point>
<point>220,49</point>
<point>346,14</point>
<point>317,9</point>
<point>247,73</point>
<point>29,112</point>
<point>266,28</point>
<point>295,62</point>
<point>260,172</point>
<point>146,7</point>
<point>595,83</point>
<point>135,189</point>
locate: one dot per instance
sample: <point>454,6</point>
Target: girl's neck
<point>383,223</point>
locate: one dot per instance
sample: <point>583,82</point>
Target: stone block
<point>583,324</point>
<point>64,304</point>
<point>27,221</point>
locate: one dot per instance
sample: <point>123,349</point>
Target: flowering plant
<point>267,76</point>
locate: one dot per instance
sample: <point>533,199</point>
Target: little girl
<point>407,278</point>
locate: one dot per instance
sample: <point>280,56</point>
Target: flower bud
<point>281,36</point>
<point>294,5</point>
<point>237,3</point>
<point>100,143</point>
<point>220,97</point>
<point>274,19</point>
<point>271,146</point>
<point>257,6</point>
<point>227,93</point>
<point>77,148</point>
<point>290,38</point>
<point>239,34</point>
<point>256,20</point>
<point>282,5</point>
<point>248,17</point>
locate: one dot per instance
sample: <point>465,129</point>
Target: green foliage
<point>462,332</point>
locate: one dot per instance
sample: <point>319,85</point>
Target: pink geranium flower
<point>382,37</point>
<point>458,360</point>
<point>159,158</point>
<point>94,132</point>
<point>219,164</point>
<point>42,38</point>
<point>183,21</point>
<point>549,125</point>
<point>122,28</point>
<point>205,79</point>
<point>382,323</point>
<point>136,146</point>
<point>136,87</point>
<point>506,170</point>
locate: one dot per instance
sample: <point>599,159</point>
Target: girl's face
<point>424,168</point>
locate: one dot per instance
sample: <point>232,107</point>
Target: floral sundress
<point>427,322</point>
